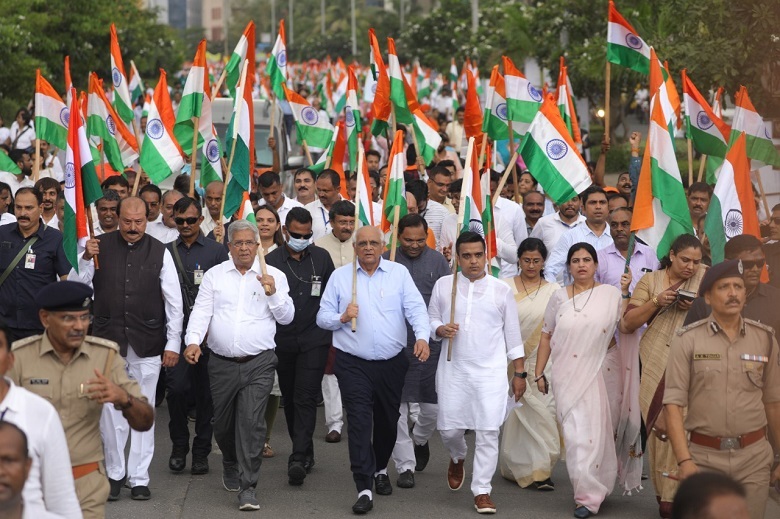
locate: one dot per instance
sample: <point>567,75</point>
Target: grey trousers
<point>240,394</point>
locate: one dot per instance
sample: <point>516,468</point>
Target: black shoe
<point>581,512</point>
<point>422,453</point>
<point>545,486</point>
<point>178,459</point>
<point>140,493</point>
<point>200,466</point>
<point>296,473</point>
<point>405,479</point>
<point>116,488</point>
<point>230,479</point>
<point>382,484</point>
<point>363,505</point>
<point>308,464</point>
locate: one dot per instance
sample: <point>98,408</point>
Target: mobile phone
<point>686,295</point>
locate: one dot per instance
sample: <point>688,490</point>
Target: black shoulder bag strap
<point>16,260</point>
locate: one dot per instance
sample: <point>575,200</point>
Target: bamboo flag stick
<point>263,269</point>
<point>508,171</point>
<point>361,158</point>
<point>702,166</point>
<point>193,154</point>
<point>219,83</point>
<point>762,193</point>
<point>91,229</point>
<point>607,92</point>
<point>482,150</point>
<point>308,155</point>
<point>37,161</point>
<point>690,162</point>
<point>137,182</point>
<point>394,237</point>
<point>453,296</point>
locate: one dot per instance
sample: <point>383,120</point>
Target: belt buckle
<point>729,443</point>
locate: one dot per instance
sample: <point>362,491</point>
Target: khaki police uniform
<point>38,368</point>
<point>724,385</point>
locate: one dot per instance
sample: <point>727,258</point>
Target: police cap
<point>64,296</point>
<point>726,269</point>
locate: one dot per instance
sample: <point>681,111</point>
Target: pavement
<point>329,491</point>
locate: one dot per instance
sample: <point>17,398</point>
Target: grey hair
<point>242,225</point>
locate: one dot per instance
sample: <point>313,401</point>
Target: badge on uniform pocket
<point>197,276</point>
<point>29,260</point>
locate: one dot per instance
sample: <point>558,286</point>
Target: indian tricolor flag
<point>277,62</point>
<point>314,130</point>
<point>81,186</point>
<point>381,106</point>
<point>758,141</point>
<point>471,199</point>
<point>550,152</point>
<point>566,105</point>
<point>522,99</point>
<point>68,81</point>
<point>624,46</point>
<point>238,140</point>
<point>352,119</point>
<point>363,212</point>
<point>103,122</point>
<point>488,223</point>
<point>136,86</point>
<point>394,191</point>
<point>245,50</point>
<point>427,136</point>
<point>472,115</point>
<point>51,114</point>
<point>122,101</point>
<point>661,207</point>
<point>732,208</point>
<point>340,93</point>
<point>494,120</point>
<point>660,91</point>
<point>161,155</point>
<point>398,86</point>
<point>709,134</point>
<point>246,212</point>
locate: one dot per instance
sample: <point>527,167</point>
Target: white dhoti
<point>424,426</point>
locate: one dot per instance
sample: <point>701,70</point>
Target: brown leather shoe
<point>455,475</point>
<point>333,437</point>
<point>484,505</point>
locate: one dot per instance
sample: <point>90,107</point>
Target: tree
<point>40,33</point>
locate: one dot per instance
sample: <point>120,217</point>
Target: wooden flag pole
<point>308,155</point>
<point>420,167</point>
<point>482,150</point>
<point>392,114</point>
<point>394,236</point>
<point>702,166</point>
<point>511,138</point>
<point>453,297</point>
<point>361,158</point>
<point>607,93</point>
<point>690,162</point>
<point>508,171</point>
<point>515,182</point>
<point>762,193</point>
<point>137,182</point>
<point>263,269</point>
<point>37,161</point>
<point>194,153</point>
<point>219,83</point>
<point>91,229</point>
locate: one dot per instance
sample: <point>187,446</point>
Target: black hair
<point>372,173</point>
<point>115,180</point>
<point>469,237</point>
<point>739,244</point>
<point>268,179</point>
<point>25,113</point>
<point>590,191</point>
<point>109,195</point>
<point>31,190</point>
<point>532,192</point>
<point>17,155</point>
<point>151,188</point>
<point>184,203</point>
<point>125,200</point>
<point>446,163</point>
<point>5,187</point>
<point>333,175</point>
<point>278,236</point>
<point>456,186</point>
<point>626,209</point>
<point>297,214</point>
<point>412,220</point>
<point>495,176</point>
<point>301,171</point>
<point>14,427</point>
<point>700,187</point>
<point>531,245</point>
<point>461,108</point>
<point>533,178</point>
<point>612,195</point>
<point>696,492</point>
<point>682,242</point>
<point>341,208</point>
<point>375,153</point>
<point>582,246</point>
<point>47,183</point>
<point>775,208</point>
<point>439,170</point>
<point>418,189</point>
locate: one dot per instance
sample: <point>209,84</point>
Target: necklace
<point>528,294</point>
<point>578,310</point>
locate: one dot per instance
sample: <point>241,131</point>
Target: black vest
<point>129,306</point>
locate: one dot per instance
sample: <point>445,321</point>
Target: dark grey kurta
<point>426,269</point>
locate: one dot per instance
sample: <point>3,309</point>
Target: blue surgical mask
<point>297,244</point>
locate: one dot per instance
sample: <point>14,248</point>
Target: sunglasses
<point>191,220</point>
<point>749,264</point>
<point>300,236</point>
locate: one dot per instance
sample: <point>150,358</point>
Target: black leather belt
<point>237,360</point>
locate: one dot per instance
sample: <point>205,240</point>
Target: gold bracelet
<point>655,302</point>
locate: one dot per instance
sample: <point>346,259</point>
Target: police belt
<point>79,471</point>
<point>735,442</point>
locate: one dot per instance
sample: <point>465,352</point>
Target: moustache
<point>732,300</point>
<point>23,219</point>
<point>133,232</point>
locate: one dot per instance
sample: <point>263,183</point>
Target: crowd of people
<point>612,351</point>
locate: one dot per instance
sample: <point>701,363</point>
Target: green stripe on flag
<point>51,132</point>
<point>626,57</point>
<point>555,185</point>
<point>69,240</point>
<point>713,228</point>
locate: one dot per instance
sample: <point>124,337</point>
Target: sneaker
<point>296,473</point>
<point>247,500</point>
<point>140,493</point>
<point>422,453</point>
<point>116,488</point>
<point>230,479</point>
<point>200,466</point>
<point>405,479</point>
<point>484,504</point>
<point>545,486</point>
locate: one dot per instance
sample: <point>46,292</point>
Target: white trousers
<point>485,455</point>
<point>115,430</point>
<point>334,418</point>
<point>403,452</point>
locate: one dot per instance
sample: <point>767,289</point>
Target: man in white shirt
<point>272,193</point>
<point>50,189</point>
<point>50,484</point>
<point>303,181</point>
<point>22,159</point>
<point>238,306</point>
<point>212,214</point>
<point>328,186</point>
<point>551,227</point>
<point>433,212</point>
<point>50,164</point>
<point>166,230</point>
<point>455,132</point>
<point>511,214</point>
<point>5,202</point>
<point>152,195</point>
<point>106,208</point>
<point>593,230</point>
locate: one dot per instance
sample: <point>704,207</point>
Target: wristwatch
<point>524,374</point>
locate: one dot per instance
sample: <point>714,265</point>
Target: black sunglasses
<point>191,220</point>
<point>300,236</point>
<point>748,264</point>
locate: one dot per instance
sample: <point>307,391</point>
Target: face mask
<point>297,244</point>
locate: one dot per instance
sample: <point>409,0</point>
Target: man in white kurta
<point>472,386</point>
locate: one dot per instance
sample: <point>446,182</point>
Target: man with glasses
<point>761,299</point>
<point>773,249</point>
<point>239,306</point>
<point>301,346</point>
<point>165,230</point>
<point>439,181</point>
<point>79,373</point>
<point>193,255</point>
<point>328,186</point>
<point>612,258</point>
<point>370,362</point>
<point>152,195</point>
<point>138,305</point>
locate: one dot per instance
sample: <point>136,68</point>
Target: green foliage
<point>40,33</point>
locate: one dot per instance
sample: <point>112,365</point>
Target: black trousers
<point>184,381</point>
<point>300,378</point>
<point>371,393</point>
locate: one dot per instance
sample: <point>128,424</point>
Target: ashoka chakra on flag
<point>501,111</point>
<point>155,129</point>
<point>633,41</point>
<point>350,117</point>
<point>476,226</point>
<point>732,225</point>
<point>65,116</point>
<point>116,77</point>
<point>534,93</point>
<point>703,121</point>
<point>556,149</point>
<point>281,58</point>
<point>212,151</point>
<point>70,175</point>
<point>111,125</point>
<point>309,116</point>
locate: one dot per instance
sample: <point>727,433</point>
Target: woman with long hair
<point>530,443</point>
<point>579,324</point>
<point>661,300</point>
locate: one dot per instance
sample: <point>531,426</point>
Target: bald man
<point>370,362</point>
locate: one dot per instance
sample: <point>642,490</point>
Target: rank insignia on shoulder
<point>694,324</point>
<point>39,381</point>
<point>706,356</point>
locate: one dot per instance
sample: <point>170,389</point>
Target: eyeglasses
<point>190,220</point>
<point>242,244</point>
<point>71,319</point>
<point>368,244</point>
<point>749,264</point>
<point>298,236</point>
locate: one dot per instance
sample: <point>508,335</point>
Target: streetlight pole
<point>474,16</point>
<point>322,17</point>
<point>273,20</point>
<point>354,30</point>
<point>292,26</point>
<point>401,13</point>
